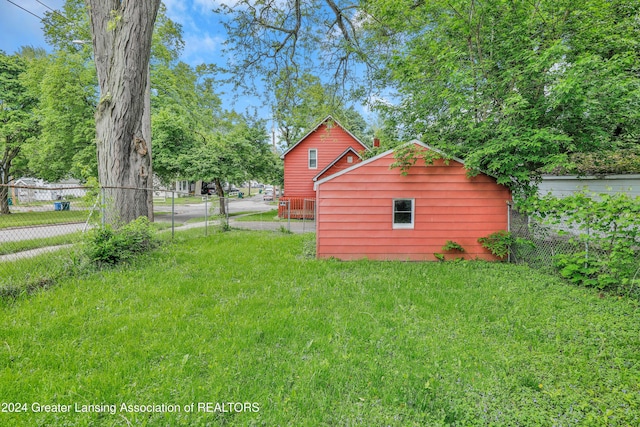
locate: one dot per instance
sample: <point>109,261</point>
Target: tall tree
<point>303,102</point>
<point>122,33</point>
<point>286,40</point>
<point>65,84</point>
<point>17,122</point>
<point>272,36</point>
<point>185,111</point>
<point>235,150</point>
<point>512,87</point>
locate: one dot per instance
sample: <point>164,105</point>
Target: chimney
<point>376,142</point>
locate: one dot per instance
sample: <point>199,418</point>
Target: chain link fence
<point>540,245</point>
<point>41,226</point>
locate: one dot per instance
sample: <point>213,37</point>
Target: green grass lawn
<point>28,219</point>
<point>268,216</point>
<point>25,245</point>
<point>246,317</point>
<point>180,200</point>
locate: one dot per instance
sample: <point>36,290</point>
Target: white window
<point>403,213</point>
<point>349,159</point>
<point>313,158</point>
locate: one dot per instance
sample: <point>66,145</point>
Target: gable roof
<point>381,155</point>
<point>337,159</point>
<point>315,128</point>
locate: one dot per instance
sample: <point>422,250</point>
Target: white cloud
<point>210,4</point>
<point>202,33</point>
<point>202,48</point>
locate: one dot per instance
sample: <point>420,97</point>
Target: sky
<point>202,32</point>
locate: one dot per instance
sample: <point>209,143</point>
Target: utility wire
<point>39,17</point>
<point>52,10</point>
<point>26,10</point>
<point>55,11</point>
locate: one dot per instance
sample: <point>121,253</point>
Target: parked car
<point>268,196</point>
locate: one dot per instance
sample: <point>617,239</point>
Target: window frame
<point>400,225</point>
<point>315,150</point>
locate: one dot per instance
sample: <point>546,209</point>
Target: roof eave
<point>326,119</point>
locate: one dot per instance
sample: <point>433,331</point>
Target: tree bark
<point>5,169</point>
<point>4,200</point>
<point>220,193</point>
<point>121,34</point>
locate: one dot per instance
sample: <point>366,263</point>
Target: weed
<point>452,246</point>
<point>109,245</point>
<point>497,243</point>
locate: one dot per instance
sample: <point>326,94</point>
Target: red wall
<point>341,165</point>
<point>354,212</point>
<point>330,143</point>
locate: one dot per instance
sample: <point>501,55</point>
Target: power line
<point>55,11</point>
<point>52,10</point>
<point>26,10</point>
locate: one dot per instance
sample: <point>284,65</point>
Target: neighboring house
<point>37,190</point>
<point>566,185</point>
<point>326,149</point>
<point>371,210</point>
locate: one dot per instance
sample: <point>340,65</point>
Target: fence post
<point>586,246</point>
<point>304,213</point>
<point>509,228</point>
<point>289,214</point>
<point>206,218</point>
<point>173,210</point>
<point>103,208</point>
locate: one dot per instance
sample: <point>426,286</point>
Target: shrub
<point>608,227</point>
<point>497,243</point>
<point>111,245</point>
<point>452,246</point>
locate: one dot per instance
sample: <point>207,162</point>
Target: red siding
<point>354,212</point>
<point>330,143</point>
<point>341,164</point>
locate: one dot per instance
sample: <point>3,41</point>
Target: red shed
<point>327,148</point>
<point>371,210</point>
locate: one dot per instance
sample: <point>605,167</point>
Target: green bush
<point>109,245</point>
<point>607,226</point>
<point>497,243</point>
<point>450,245</point>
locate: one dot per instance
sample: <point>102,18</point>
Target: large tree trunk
<point>121,32</point>
<point>5,169</point>
<point>4,200</point>
<point>220,193</point>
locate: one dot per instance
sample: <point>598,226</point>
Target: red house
<point>371,210</point>
<point>325,150</point>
